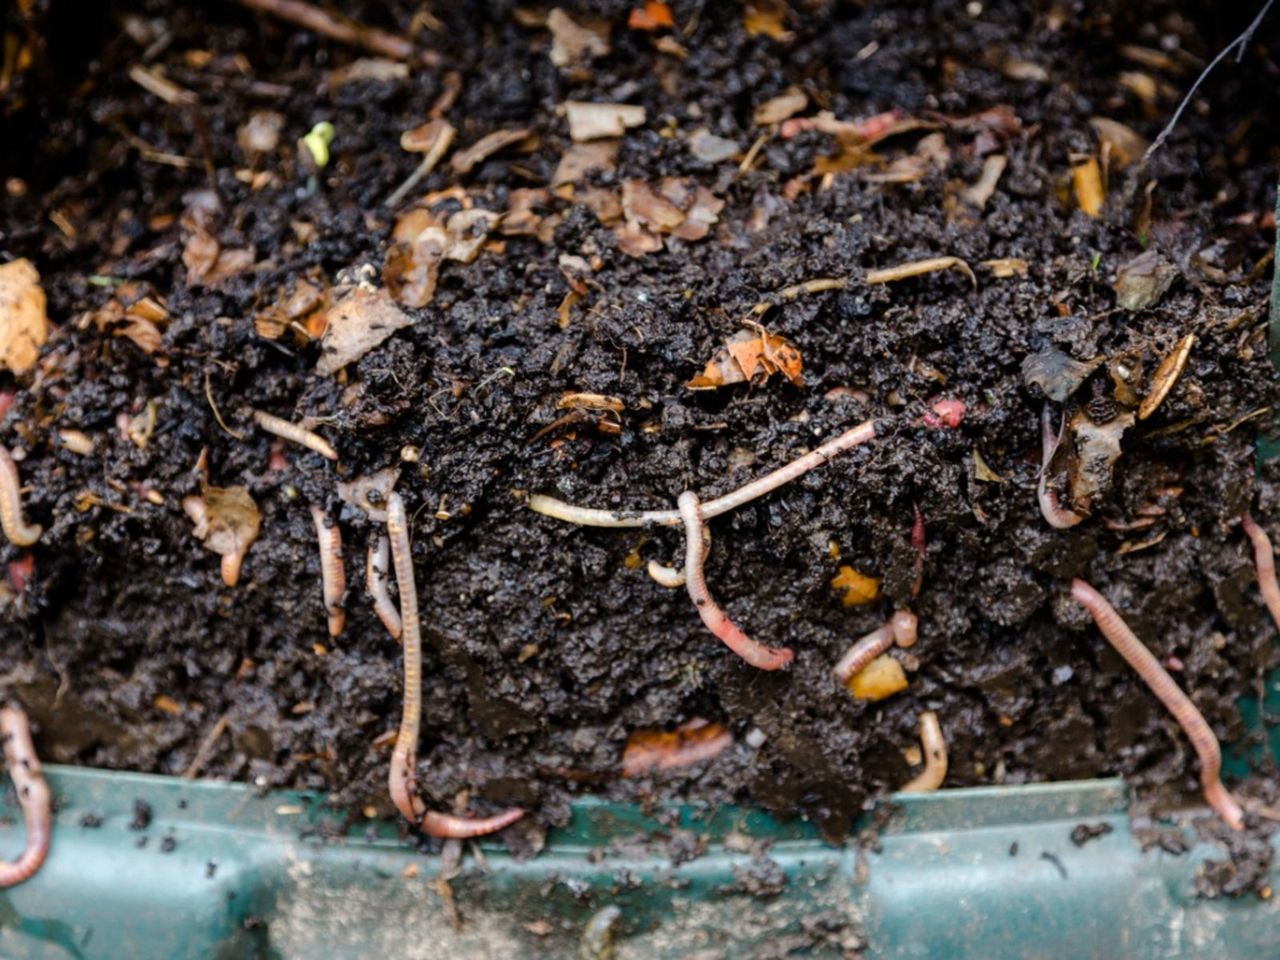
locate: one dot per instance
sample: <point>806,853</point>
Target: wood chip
<point>1166,376</point>
<point>598,121</point>
<point>24,322</point>
<point>918,268</point>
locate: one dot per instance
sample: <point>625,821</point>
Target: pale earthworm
<point>377,566</point>
<point>333,574</point>
<point>1127,644</point>
<point>19,532</point>
<point>292,432</point>
<point>402,779</point>
<point>670,577</point>
<point>1056,515</point>
<point>919,545</point>
<point>935,757</point>
<point>755,653</point>
<point>33,796</point>
<point>901,628</point>
<point>1265,562</point>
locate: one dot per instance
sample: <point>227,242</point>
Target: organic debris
<point>695,742</point>
<point>227,521</point>
<point>422,241</point>
<point>24,325</point>
<point>464,161</point>
<point>1142,281</point>
<point>780,108</point>
<point>370,492</point>
<point>1056,373</point>
<point>856,588</point>
<point>1166,376</point>
<point>599,121</point>
<point>750,356</point>
<point>652,16</point>
<point>934,746</point>
<point>676,208</point>
<point>1086,177</point>
<point>357,323</point>
<point>1097,448</point>
<point>879,679</point>
<point>917,268</point>
<point>134,312</point>
<point>1121,145</point>
<point>573,44</point>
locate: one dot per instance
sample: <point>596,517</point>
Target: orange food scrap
<point>881,678</point>
<point>768,18</point>
<point>749,354</point>
<point>857,587</point>
<point>653,16</point>
<point>1086,177</point>
<point>649,750</point>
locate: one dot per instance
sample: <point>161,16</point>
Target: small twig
<point>16,528</point>
<point>917,268</point>
<point>1238,44</point>
<point>296,434</point>
<point>333,574</point>
<point>1264,560</point>
<point>205,751</point>
<point>1198,731</point>
<point>787,294</point>
<point>934,746</point>
<point>1056,515</point>
<point>319,21</point>
<point>902,629</point>
<point>443,140</point>
<point>755,653</point>
<point>33,796</point>
<point>375,578</point>
<point>217,414</point>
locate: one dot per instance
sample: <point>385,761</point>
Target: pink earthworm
<point>377,567</point>
<point>1056,515</point>
<point>333,575</point>
<point>1265,562</point>
<point>901,628</point>
<point>19,532</point>
<point>33,796</point>
<point>292,432</point>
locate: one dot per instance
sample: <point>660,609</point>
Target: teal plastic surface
<point>221,871</point>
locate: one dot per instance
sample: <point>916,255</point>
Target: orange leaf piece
<point>857,587</point>
<point>745,355</point>
<point>649,750</point>
<point>653,16</point>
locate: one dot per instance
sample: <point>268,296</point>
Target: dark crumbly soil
<point>125,605</point>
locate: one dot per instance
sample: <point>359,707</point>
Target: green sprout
<point>317,142</point>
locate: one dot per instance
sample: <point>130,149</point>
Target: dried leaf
<point>464,161</point>
<point>465,233</point>
<point>780,108</point>
<point>1016,69</point>
<point>1056,373</point>
<point>709,148</point>
<point>1086,177</point>
<point>1097,448</point>
<point>652,17</point>
<point>650,750</point>
<point>982,472</point>
<point>584,158</point>
<point>857,588</point>
<point>767,18</point>
<point>1126,145</point>
<point>370,492</point>
<point>701,215</point>
<point>598,121</point>
<point>358,323</point>
<point>1167,375</point>
<point>643,205</point>
<point>24,323</point>
<point>881,678</point>
<point>572,43</point>
<point>208,263</point>
<point>227,521</point>
<point>376,69</point>
<point>1142,281</point>
<point>746,355</point>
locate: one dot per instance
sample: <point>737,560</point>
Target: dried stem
<point>1175,701</point>
<point>377,566</point>
<point>294,433</point>
<point>1055,515</point>
<point>19,532</point>
<point>934,746</point>
<point>755,653</point>
<point>901,628</point>
<point>319,21</point>
<point>33,796</point>
<point>1265,561</point>
<point>402,778</point>
<point>333,574</point>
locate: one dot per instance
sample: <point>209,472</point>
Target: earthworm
<point>17,529</point>
<point>755,653</point>
<point>935,757</point>
<point>671,577</point>
<point>33,796</point>
<point>919,546</point>
<point>404,755</point>
<point>375,578</point>
<point>333,574</point>
<point>1175,701</point>
<point>291,431</point>
<point>1265,561</point>
<point>1055,515</point>
<point>901,628</point>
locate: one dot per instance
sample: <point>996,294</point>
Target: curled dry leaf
<point>302,309</point>
<point>675,207</point>
<point>599,121</point>
<point>879,679</point>
<point>24,323</point>
<point>1086,178</point>
<point>584,158</point>
<point>227,521</point>
<point>464,161</point>
<point>855,588</point>
<point>422,241</point>
<point>357,323</point>
<point>525,216</point>
<point>1125,145</point>
<point>1142,281</point>
<point>1166,376</point>
<point>370,492</point>
<point>209,264</point>
<point>573,43</point>
<point>650,750</point>
<point>1056,373</point>
<point>780,108</point>
<point>745,355</point>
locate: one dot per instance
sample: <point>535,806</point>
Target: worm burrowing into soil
<point>901,628</point>
<point>376,568</point>
<point>33,796</point>
<point>299,435</point>
<point>1136,654</point>
<point>19,532</point>
<point>935,757</point>
<point>333,574</point>
<point>1056,515</point>
<point>755,653</point>
<point>1264,559</point>
<point>404,757</point>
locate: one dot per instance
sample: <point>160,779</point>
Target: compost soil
<point>547,644</point>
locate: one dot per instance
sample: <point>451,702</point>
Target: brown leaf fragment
<point>709,148</point>
<point>701,215</point>
<point>1086,177</point>
<point>767,18</point>
<point>780,108</point>
<point>209,264</point>
<point>647,207</point>
<point>370,492</point>
<point>650,750</point>
<point>635,241</point>
<point>584,158</point>
<point>1126,145</point>
<point>357,323</point>
<point>599,121</point>
<point>573,43</point>
<point>24,322</point>
<point>1056,373</point>
<point>375,69</point>
<point>1142,281</point>
<point>1167,375</point>
<point>464,161</point>
<point>749,354</point>
<point>227,521</point>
